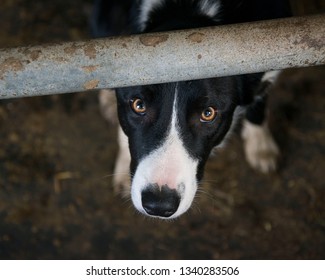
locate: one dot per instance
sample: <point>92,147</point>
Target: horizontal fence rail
<point>162,57</point>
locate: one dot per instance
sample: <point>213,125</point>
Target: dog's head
<point>172,129</point>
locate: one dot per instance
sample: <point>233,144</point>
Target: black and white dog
<point>170,129</point>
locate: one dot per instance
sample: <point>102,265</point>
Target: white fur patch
<point>107,105</point>
<point>146,7</point>
<point>271,76</point>
<point>121,179</point>
<point>207,7</point>
<point>260,148</point>
<point>170,165</point>
<point>210,8</point>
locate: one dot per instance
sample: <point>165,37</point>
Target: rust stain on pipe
<point>196,37</point>
<point>90,68</point>
<point>71,50</point>
<point>311,42</point>
<point>33,54</point>
<point>90,50</point>
<point>92,84</point>
<point>153,40</point>
<point>12,64</point>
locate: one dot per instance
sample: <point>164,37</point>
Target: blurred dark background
<point>57,155</point>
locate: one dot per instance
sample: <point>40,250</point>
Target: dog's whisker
<point>211,198</point>
<point>127,201</point>
<point>195,207</point>
<point>205,192</point>
<point>209,181</point>
<point>114,174</point>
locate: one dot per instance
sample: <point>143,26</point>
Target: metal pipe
<point>162,57</point>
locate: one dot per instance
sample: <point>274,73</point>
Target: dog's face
<point>172,129</point>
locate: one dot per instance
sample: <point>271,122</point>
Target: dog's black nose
<point>160,201</point>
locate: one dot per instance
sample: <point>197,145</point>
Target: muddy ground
<point>57,155</point>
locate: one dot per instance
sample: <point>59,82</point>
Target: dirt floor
<point>57,154</point>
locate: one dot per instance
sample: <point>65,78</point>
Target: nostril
<point>160,201</point>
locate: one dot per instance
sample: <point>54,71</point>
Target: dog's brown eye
<point>138,106</point>
<point>208,114</point>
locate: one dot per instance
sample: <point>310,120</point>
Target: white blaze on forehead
<point>174,162</point>
<point>169,165</point>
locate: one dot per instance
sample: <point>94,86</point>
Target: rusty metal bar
<point>162,57</point>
